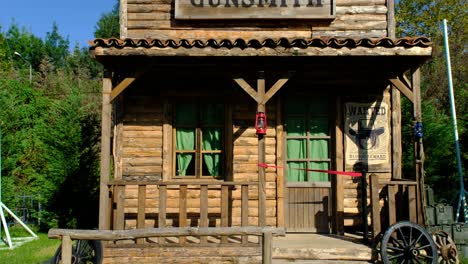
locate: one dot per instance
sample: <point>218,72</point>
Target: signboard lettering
<point>254,9</point>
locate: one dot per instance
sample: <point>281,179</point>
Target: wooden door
<point>308,130</point>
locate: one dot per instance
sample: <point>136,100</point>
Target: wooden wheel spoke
<point>403,237</point>
<point>395,256</point>
<point>396,249</point>
<point>417,240</point>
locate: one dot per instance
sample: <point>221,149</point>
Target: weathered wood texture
<point>155,19</point>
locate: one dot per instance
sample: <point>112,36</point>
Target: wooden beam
<point>391,19</point>
<point>280,182</point>
<point>122,86</point>
<point>275,88</point>
<point>396,133</point>
<point>104,211</point>
<point>402,88</point>
<point>247,88</point>
<point>130,234</point>
<point>375,206</point>
<point>339,163</point>
<point>66,250</point>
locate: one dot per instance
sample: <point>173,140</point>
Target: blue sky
<point>75,18</point>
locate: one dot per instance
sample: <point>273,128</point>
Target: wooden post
<point>261,156</point>
<point>183,211</point>
<point>104,211</point>
<point>339,163</point>
<point>365,222</point>
<point>280,181</point>
<point>66,250</point>
<point>224,210</point>
<point>391,189</point>
<point>391,19</point>
<point>203,210</point>
<point>419,166</point>
<point>375,213</point>
<point>141,210</point>
<point>245,210</point>
<point>162,210</point>
<point>396,133</point>
<point>267,247</point>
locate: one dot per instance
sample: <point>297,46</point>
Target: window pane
<point>296,172</point>
<point>212,138</point>
<point>295,127</point>
<point>212,114</point>
<point>318,176</point>
<point>186,115</point>
<point>185,164</point>
<point>319,149</point>
<point>296,149</point>
<point>212,164</point>
<point>185,139</point>
<point>318,127</point>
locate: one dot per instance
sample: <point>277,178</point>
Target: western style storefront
<point>265,119</point>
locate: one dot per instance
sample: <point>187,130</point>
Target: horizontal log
<point>77,234</point>
<point>174,252</point>
<point>372,9</point>
<point>139,170</point>
<point>249,150</point>
<point>306,52</point>
<point>128,134</point>
<point>141,152</point>
<point>215,34</point>
<point>352,34</point>
<point>359,2</point>
<point>142,161</point>
<point>148,8</point>
<point>253,141</point>
<point>141,127</point>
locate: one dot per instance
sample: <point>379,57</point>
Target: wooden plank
<point>141,217</point>
<point>396,134</point>
<point>412,204</point>
<point>66,250</point>
<point>267,242</point>
<point>104,211</point>
<point>402,88</point>
<point>229,146</point>
<point>120,211</point>
<point>391,189</point>
<point>162,210</point>
<point>391,19</point>
<point>280,181</point>
<point>375,204</point>
<point>203,210</point>
<point>123,18</point>
<point>224,210</point>
<point>261,181</point>
<point>339,163</point>
<point>182,211</point>
<point>245,210</point>
<point>167,142</point>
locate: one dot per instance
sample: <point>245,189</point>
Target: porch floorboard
<point>307,248</point>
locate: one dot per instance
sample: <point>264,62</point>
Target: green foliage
<point>50,127</point>
<point>424,18</point>
<point>40,250</point>
<point>108,25</point>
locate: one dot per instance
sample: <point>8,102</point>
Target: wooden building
<point>190,87</point>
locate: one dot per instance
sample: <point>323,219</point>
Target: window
<point>198,132</point>
<point>308,139</point>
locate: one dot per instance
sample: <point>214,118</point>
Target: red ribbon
<point>346,173</point>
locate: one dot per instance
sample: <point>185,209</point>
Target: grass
<point>38,251</point>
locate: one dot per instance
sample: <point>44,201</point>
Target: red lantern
<point>261,123</point>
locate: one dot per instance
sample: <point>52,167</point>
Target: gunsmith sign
<point>254,9</point>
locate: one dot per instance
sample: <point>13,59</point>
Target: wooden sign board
<point>254,9</point>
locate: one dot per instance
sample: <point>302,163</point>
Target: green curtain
<point>318,176</point>
<point>185,140</point>
<point>212,141</point>
<point>296,172</point>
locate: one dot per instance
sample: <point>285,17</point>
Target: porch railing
<point>199,217</point>
<point>400,202</point>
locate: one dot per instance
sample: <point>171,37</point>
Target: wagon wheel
<point>407,243</point>
<point>446,248</point>
<point>83,252</point>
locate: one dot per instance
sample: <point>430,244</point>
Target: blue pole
<point>461,200</point>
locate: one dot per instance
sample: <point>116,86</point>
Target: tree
<point>108,25</point>
<point>424,18</point>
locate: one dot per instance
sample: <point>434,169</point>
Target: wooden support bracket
<point>404,89</point>
<point>122,86</point>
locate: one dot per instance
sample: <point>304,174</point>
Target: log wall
<point>155,19</point>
